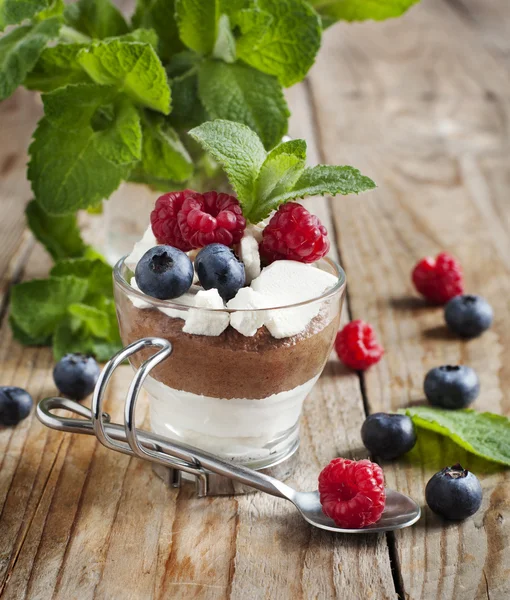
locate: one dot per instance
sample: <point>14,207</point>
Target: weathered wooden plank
<point>420,116</point>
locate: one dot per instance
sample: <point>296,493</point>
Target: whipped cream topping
<point>282,283</point>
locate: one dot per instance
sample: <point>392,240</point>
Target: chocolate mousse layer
<point>230,365</point>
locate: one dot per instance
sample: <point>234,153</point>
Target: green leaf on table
<point>187,109</point>
<point>279,172</point>
<point>197,21</point>
<point>39,305</point>
<point>96,272</point>
<point>13,12</point>
<point>70,337</point>
<point>237,92</point>
<point>57,66</point>
<point>160,16</point>
<point>24,338</point>
<point>360,10</point>
<point>96,18</point>
<point>163,154</point>
<point>59,235</point>
<point>19,51</point>
<point>284,45</point>
<point>68,171</point>
<point>485,434</point>
<point>94,320</point>
<point>225,45</point>
<point>239,150</point>
<point>132,67</point>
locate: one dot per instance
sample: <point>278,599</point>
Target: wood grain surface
<point>421,104</point>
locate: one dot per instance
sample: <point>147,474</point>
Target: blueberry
<point>454,493</point>
<point>217,267</point>
<point>388,436</point>
<point>15,405</point>
<point>451,387</point>
<point>75,375</point>
<point>164,272</point>
<point>468,316</point>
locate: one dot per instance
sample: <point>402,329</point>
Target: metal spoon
<point>400,511</point>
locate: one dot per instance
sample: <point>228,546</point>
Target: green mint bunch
<point>264,180</point>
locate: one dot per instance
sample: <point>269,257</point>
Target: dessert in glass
<point>242,288</point>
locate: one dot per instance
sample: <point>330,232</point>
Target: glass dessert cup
<point>235,396</point>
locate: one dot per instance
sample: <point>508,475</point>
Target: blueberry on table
<point>388,436</point>
<point>164,272</point>
<point>75,375</point>
<point>218,267</point>
<point>15,405</point>
<point>454,493</point>
<point>451,386</point>
<point>468,316</point>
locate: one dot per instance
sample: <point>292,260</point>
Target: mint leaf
<point>96,18</point>
<point>160,16</point>
<point>131,66</point>
<point>94,321</point>
<point>68,171</point>
<point>284,46</point>
<point>197,21</point>
<point>187,108</point>
<point>55,9</point>
<point>69,339</point>
<point>120,142</point>
<point>484,434</point>
<point>57,66</point>
<point>237,92</point>
<point>19,51</point>
<point>72,108</point>
<point>279,173</point>
<point>13,12</point>
<point>38,306</point>
<point>360,10</point>
<point>316,181</point>
<point>24,338</point>
<point>95,271</point>
<point>143,35</point>
<point>239,150</point>
<point>59,235</point>
<point>163,155</point>
<point>225,45</point>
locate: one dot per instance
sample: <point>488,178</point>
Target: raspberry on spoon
<point>294,234</point>
<point>352,492</point>
<point>357,347</point>
<point>438,279</point>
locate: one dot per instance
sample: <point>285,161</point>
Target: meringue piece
<point>249,254</point>
<point>204,322</point>
<point>247,322</point>
<point>147,242</point>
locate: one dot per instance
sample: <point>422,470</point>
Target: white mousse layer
<point>237,429</point>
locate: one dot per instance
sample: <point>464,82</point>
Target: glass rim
<point>156,302</point>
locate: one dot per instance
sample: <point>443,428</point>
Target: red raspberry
<point>440,279</point>
<point>352,492</point>
<point>164,220</point>
<point>357,347</point>
<point>294,234</point>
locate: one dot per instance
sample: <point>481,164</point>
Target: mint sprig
<point>14,11</point>
<point>264,180</point>
<point>484,434</point>
<point>19,51</point>
<point>360,10</point>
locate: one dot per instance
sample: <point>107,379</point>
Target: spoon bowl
<point>400,511</point>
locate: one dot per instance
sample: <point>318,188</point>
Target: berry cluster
<point>188,220</point>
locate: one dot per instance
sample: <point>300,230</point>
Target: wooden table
<point>420,104</point>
